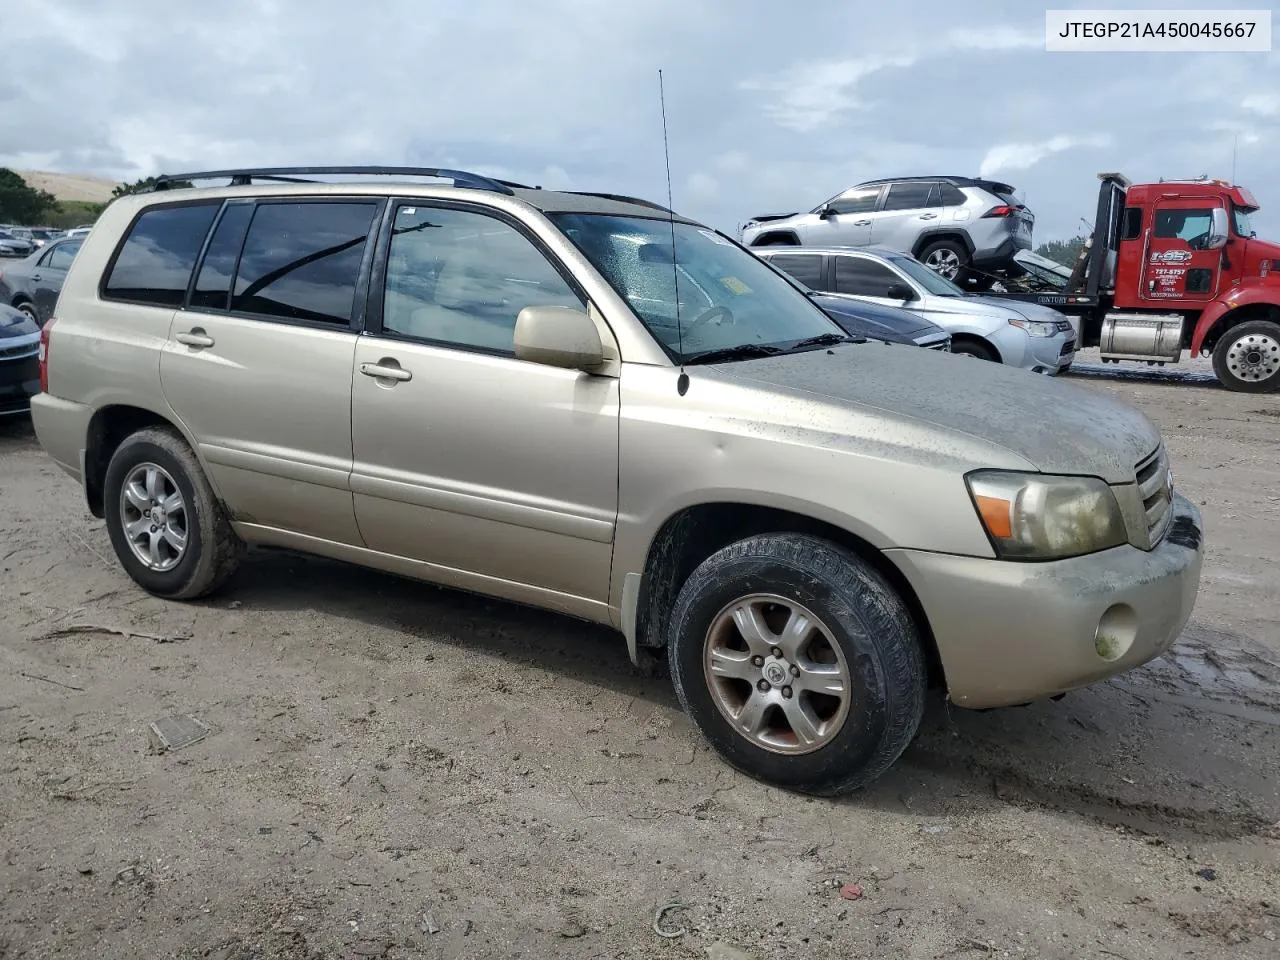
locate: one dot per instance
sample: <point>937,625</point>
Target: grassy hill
<point>81,196</point>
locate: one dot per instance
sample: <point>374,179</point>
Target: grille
<point>1068,348</point>
<point>13,353</point>
<point>1155,489</point>
<point>941,345</point>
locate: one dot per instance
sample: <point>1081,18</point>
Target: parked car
<point>15,246</point>
<point>803,523</point>
<point>861,318</point>
<point>19,361</point>
<point>32,285</point>
<point>960,227</point>
<point>1025,335</point>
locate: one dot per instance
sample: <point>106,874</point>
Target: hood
<point>1056,426</point>
<point>15,323</point>
<point>1255,252</point>
<point>868,320</point>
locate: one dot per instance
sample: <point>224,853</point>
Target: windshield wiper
<point>826,339</point>
<point>744,351</point>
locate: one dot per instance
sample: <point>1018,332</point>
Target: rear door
<point>258,365</point>
<point>910,207</point>
<point>807,268</point>
<point>49,275</point>
<point>1176,265</point>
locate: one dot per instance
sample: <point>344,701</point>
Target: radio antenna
<point>682,383</point>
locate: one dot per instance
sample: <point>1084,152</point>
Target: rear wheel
<point>1247,357</point>
<point>798,662</point>
<point>167,527</point>
<point>947,258</point>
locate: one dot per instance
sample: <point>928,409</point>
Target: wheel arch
<point>941,233</point>
<point>777,238</point>
<point>1213,323</point>
<point>693,533</point>
<point>965,336</point>
<point>109,427</point>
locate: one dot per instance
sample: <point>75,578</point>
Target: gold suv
<point>587,403</point>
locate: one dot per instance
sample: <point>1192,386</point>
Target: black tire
<point>948,250</point>
<point>212,549</point>
<point>974,348</point>
<point>777,242</point>
<point>29,308</point>
<point>1241,343</point>
<point>864,615</point>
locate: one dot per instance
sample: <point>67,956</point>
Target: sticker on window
<point>408,211</point>
<point>734,285</point>
<point>715,238</point>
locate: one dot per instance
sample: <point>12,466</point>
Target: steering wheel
<point>724,314</point>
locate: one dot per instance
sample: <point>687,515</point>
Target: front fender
<point>1251,292</point>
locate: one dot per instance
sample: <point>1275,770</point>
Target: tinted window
<point>60,256</point>
<point>213,285</point>
<point>952,196</point>
<point>912,196</point>
<point>1182,224</point>
<point>856,201</point>
<point>1132,228</point>
<point>806,267</point>
<point>864,277</point>
<point>301,260</point>
<point>154,265</point>
<point>462,278</point>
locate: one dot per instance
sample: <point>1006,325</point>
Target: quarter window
<point>1132,229</point>
<point>154,264</point>
<point>804,267</point>
<point>301,261</point>
<point>863,277</point>
<point>462,278</point>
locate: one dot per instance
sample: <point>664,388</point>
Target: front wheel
<point>798,662</point>
<point>1247,357</point>
<point>28,308</point>
<point>975,349</point>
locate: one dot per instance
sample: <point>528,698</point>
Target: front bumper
<point>1048,355</point>
<point>1010,633</point>
<point>19,381</point>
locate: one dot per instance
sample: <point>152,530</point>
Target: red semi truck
<point>1174,266</point>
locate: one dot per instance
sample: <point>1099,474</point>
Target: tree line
<point>25,205</point>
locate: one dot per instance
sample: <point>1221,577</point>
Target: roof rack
<point>244,177</point>
<point>621,199</point>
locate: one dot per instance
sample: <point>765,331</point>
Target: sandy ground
<point>70,186</point>
<point>394,770</point>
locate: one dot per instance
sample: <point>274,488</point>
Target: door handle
<point>861,223</point>
<point>194,338</point>
<point>928,216</point>
<point>36,276</point>
<point>385,370</point>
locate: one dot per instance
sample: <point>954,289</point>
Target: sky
<point>771,107</point>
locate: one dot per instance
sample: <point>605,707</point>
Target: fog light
<point>1117,629</point>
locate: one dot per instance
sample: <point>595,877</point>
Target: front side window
<point>863,277</point>
<point>461,278</point>
<point>1183,224</point>
<point>301,261</point>
<point>856,201</point>
<point>729,299</point>
<point>932,282</point>
<point>154,264</point>
<point>806,268</point>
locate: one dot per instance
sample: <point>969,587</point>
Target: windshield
<point>1241,215</point>
<point>728,297</point>
<point>917,271</point>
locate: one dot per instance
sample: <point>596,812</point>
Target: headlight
<point>1030,516</point>
<point>1036,328</point>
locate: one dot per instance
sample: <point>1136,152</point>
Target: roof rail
<point>246,176</point>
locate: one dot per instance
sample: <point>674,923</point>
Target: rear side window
<point>61,256</point>
<point>952,196</point>
<point>154,264</point>
<point>863,277</point>
<point>301,261</point>
<point>912,195</point>
<point>805,267</point>
<point>213,286</point>
<point>1132,228</point>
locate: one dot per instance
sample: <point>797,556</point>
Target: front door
<point>258,367</point>
<point>499,473</point>
<point>847,221</point>
<point>1177,265</point>
<point>50,274</point>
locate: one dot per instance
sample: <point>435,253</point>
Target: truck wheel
<point>1247,357</point>
<point>166,526</point>
<point>947,258</point>
<point>798,662</point>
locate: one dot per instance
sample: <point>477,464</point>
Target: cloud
<point>1020,156</point>
<point>1267,104</point>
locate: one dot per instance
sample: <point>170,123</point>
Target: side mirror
<point>558,337</point>
<point>826,213</point>
<point>900,291</point>
<point>1219,230</point>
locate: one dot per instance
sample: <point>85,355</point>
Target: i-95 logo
<point>1171,256</point>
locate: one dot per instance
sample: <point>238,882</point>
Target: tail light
<point>44,354</point>
<point>1004,210</point>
